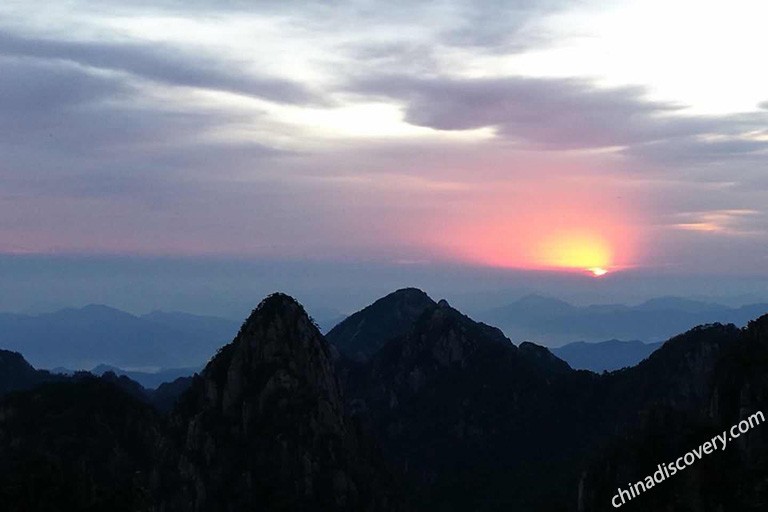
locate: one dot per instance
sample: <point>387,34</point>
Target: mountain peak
<point>271,400</point>
<point>363,333</point>
<point>278,303</point>
<point>278,333</point>
<point>443,336</point>
<point>539,306</point>
<point>410,291</point>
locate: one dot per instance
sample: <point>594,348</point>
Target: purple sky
<point>494,136</point>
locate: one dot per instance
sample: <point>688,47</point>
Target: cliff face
<point>721,379</point>
<point>264,425</point>
<point>470,419</point>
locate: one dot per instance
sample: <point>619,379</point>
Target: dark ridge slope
<point>362,334</point>
<point>727,382</point>
<point>77,445</point>
<point>17,374</point>
<point>472,421</point>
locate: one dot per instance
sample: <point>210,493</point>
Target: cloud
<point>568,114</point>
<point>557,113</point>
<point>498,25</point>
<point>495,25</point>
<point>115,142</point>
<point>68,132</point>
<point>702,150</point>
<point>160,63</point>
<point>725,222</point>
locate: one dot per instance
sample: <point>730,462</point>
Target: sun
<point>577,251</point>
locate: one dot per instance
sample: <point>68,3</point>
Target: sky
<point>515,144</point>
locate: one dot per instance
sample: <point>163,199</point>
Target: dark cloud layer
<point>558,113</point>
<point>571,114</point>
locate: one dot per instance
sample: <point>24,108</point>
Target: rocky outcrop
<point>264,426</point>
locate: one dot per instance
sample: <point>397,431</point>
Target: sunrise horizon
<point>405,256</point>
<point>542,141</point>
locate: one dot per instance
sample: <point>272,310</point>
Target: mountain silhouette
<point>448,414</point>
<point>554,322</point>
<point>362,334</point>
<point>727,385</point>
<point>17,374</point>
<point>469,417</point>
<point>148,380</point>
<point>85,337</point>
<point>81,444</point>
<point>264,423</point>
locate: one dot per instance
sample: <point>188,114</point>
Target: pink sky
<point>514,137</point>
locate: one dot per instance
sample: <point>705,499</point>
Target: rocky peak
<point>363,333</point>
<point>265,421</point>
<point>278,348</point>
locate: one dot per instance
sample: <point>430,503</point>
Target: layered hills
<point>423,408</point>
<point>555,322</point>
<point>92,335</point>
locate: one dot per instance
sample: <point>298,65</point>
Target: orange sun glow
<point>571,232</point>
<point>576,251</point>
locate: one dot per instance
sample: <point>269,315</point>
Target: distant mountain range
<point>606,355</point>
<point>92,335</point>
<point>83,338</point>
<point>148,380</point>
<point>447,414</point>
<point>554,322</point>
